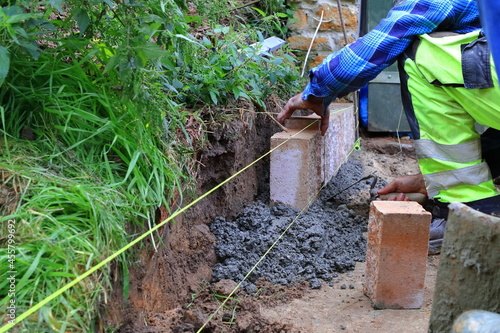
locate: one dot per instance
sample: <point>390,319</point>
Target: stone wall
<point>330,36</point>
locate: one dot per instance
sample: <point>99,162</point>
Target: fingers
<point>395,197</point>
<point>402,197</point>
<point>313,103</point>
<point>392,198</point>
<point>405,184</point>
<point>389,188</point>
<point>293,104</point>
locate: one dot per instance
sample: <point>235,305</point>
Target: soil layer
<point>310,280</point>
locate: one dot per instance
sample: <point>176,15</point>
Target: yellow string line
<point>49,298</point>
<point>135,241</point>
<point>313,198</point>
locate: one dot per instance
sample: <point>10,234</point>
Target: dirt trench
<point>175,289</point>
<point>162,282</point>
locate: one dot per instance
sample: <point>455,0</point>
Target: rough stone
<point>339,138</point>
<point>332,16</point>
<point>307,17</point>
<point>303,43</point>
<point>299,20</point>
<point>317,61</point>
<point>468,275</point>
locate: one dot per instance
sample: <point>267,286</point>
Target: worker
<point>490,142</point>
<point>448,86</point>
<point>399,187</point>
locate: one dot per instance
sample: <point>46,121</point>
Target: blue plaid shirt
<point>355,65</point>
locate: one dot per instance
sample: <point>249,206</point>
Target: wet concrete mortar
<point>287,246</point>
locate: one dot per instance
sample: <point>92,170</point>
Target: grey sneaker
<point>435,246</point>
<point>436,234</point>
<point>437,228</point>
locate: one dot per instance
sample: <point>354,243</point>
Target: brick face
<point>396,256</point>
<point>309,158</point>
<point>299,154</point>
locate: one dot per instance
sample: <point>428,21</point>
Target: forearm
<point>355,65</point>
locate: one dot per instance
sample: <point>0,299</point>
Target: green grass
<point>108,104</point>
<point>99,163</point>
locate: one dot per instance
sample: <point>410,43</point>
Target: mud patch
<point>235,313</point>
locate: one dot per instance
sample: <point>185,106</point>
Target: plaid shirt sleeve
<point>355,65</point>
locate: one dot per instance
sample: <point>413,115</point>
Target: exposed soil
<point>310,281</point>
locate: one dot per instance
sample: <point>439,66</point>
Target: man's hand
<point>402,185</point>
<point>312,103</point>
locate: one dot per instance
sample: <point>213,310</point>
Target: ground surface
<point>322,294</point>
<point>343,307</point>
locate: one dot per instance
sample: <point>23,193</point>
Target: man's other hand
<point>402,185</point>
<point>313,103</point>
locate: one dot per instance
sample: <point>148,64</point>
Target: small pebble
<point>343,286</point>
<point>343,327</point>
<point>315,283</point>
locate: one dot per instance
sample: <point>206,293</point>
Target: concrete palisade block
<point>396,258</point>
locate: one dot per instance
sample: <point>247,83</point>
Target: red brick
<point>311,122</point>
<point>310,159</point>
<point>396,256</point>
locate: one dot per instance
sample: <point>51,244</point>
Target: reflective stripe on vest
<point>445,180</point>
<point>460,153</point>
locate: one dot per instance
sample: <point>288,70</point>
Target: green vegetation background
<point>94,101</point>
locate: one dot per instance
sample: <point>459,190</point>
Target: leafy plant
<point>18,31</point>
<point>104,157</point>
<point>106,90</point>
<point>273,24</point>
<point>273,6</point>
<point>226,66</point>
